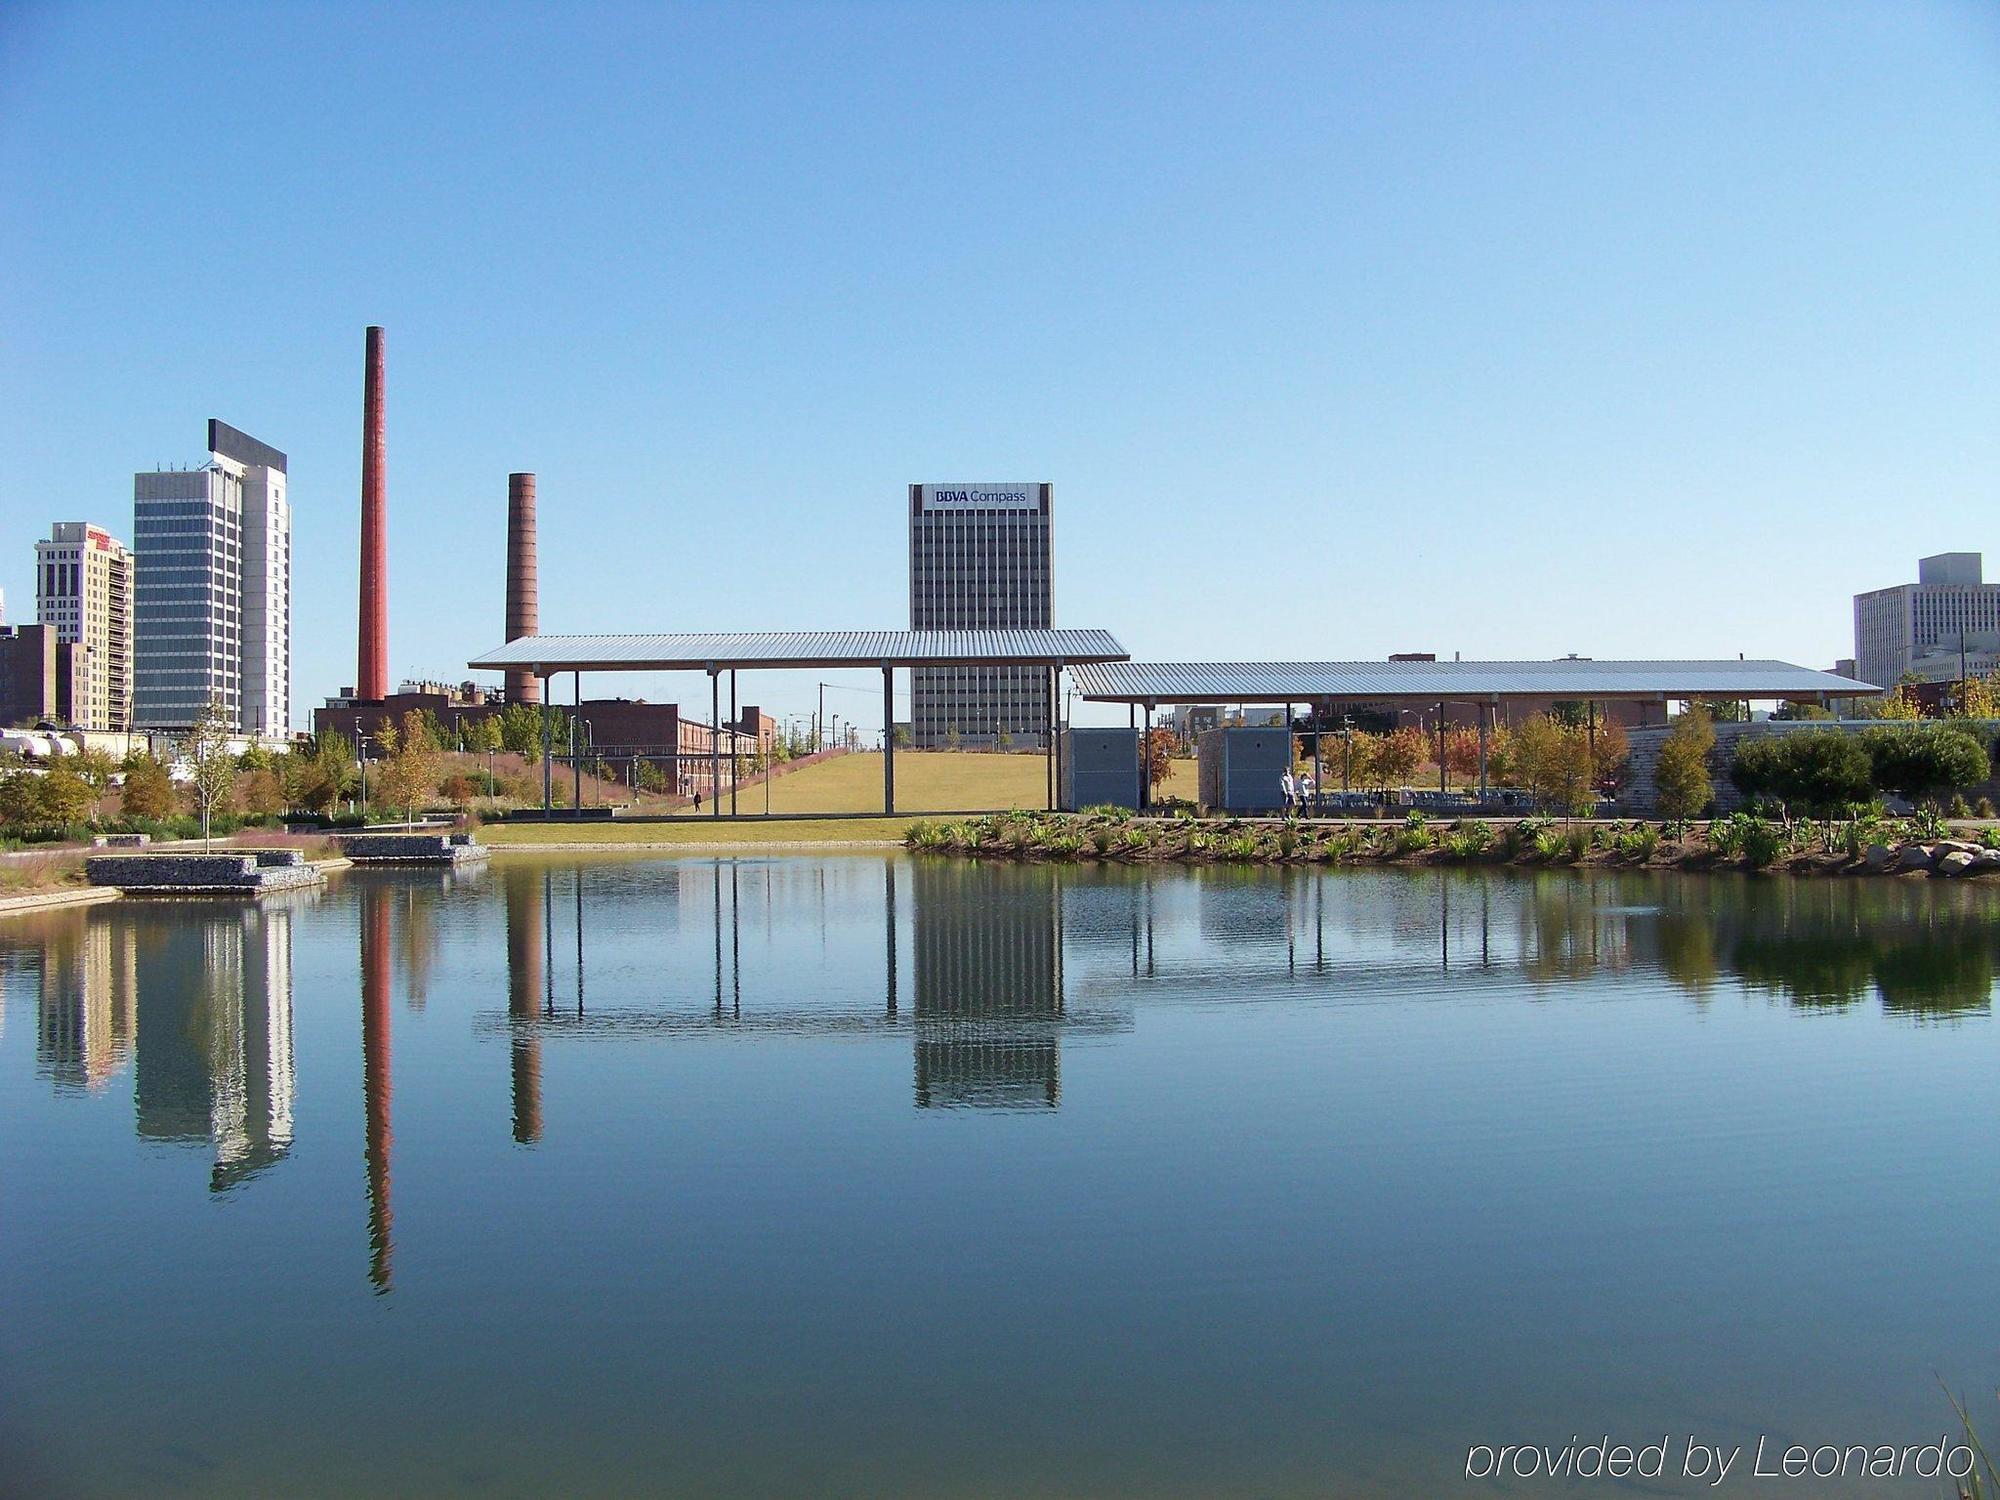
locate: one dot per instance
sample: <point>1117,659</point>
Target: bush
<point>1924,762</point>
<point>1818,771</point>
<point>1638,844</point>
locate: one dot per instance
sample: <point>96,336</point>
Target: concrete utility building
<point>980,559</point>
<point>212,612</point>
<point>1949,606</point>
<point>83,590</point>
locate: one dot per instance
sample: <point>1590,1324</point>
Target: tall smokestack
<point>523,597</point>
<point>371,677</point>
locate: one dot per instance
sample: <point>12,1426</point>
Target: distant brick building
<point>37,676</point>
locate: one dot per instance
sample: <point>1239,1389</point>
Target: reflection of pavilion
<point>989,985</point>
<point>214,1032</point>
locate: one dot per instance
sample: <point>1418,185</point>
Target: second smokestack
<point>371,675</point>
<point>523,599</point>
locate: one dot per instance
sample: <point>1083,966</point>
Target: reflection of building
<point>989,984</point>
<point>214,1032</point>
<point>526,978</point>
<point>90,975</point>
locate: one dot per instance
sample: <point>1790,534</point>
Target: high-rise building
<point>980,559</point>
<point>83,587</point>
<point>213,589</point>
<point>1948,608</point>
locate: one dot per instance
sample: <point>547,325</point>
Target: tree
<point>212,769</point>
<point>902,737</point>
<point>1816,771</point>
<point>1724,711</point>
<point>411,764</point>
<point>1680,776</point>
<point>1609,753</point>
<point>1899,703</point>
<point>1394,757</point>
<point>1552,761</point>
<point>95,767</point>
<point>521,728</point>
<point>148,791</point>
<point>319,777</point>
<point>66,797</point>
<point>1159,750</point>
<point>1920,763</point>
<point>1976,698</point>
<point>20,799</point>
<point>261,791</point>
<point>1798,710</point>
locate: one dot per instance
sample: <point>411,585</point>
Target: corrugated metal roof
<point>800,648</point>
<point>1430,681</point>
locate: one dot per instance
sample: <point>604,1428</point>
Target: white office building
<point>83,588</point>
<point>213,592</point>
<point>980,559</point>
<point>1949,606</point>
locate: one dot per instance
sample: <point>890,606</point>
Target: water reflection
<point>989,972</point>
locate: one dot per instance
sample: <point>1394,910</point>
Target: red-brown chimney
<point>523,604</point>
<point>371,677</point>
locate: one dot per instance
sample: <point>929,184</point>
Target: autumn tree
<point>65,797</point>
<point>1552,762</point>
<point>412,762</point>
<point>1159,750</point>
<point>1461,754</point>
<point>1680,775</point>
<point>1396,756</point>
<point>148,791</point>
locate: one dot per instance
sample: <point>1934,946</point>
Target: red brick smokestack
<point>371,677</point>
<point>523,599</point>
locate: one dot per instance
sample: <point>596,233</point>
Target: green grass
<point>927,782</point>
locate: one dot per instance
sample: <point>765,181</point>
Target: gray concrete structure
<point>237,872</point>
<point>1101,767</point>
<point>1240,769</point>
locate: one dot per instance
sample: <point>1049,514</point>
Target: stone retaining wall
<point>237,870</point>
<point>411,848</point>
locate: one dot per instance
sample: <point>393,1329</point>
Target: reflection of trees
<point>1565,933</point>
<point>1824,944</point>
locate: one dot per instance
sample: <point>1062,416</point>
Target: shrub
<point>1638,844</point>
<point>1681,774</point>
<point>1819,771</point>
<point>1923,762</point>
<point>1549,842</point>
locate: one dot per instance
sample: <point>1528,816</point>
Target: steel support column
<point>888,741</point>
<point>1055,712</point>
<point>576,740</point>
<point>548,749</point>
<point>715,769</point>
<point>1484,710</point>
<point>735,771</point>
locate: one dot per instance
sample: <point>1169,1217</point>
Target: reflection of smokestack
<point>525,977</point>
<point>375,1061</point>
<point>371,679</point>
<point>523,601</point>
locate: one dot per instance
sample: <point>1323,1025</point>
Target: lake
<point>864,1176</point>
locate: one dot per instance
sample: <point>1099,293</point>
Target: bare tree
<point>212,767</point>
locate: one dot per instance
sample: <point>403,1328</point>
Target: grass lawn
<point>927,782</point>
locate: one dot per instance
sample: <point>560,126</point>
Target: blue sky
<point>1508,329</point>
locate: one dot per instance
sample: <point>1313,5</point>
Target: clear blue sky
<point>1641,329</point>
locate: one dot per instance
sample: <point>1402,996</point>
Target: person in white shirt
<point>1306,790</point>
<point>1290,789</point>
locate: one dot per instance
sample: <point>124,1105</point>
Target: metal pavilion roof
<point>702,652</point>
<point>1435,681</point>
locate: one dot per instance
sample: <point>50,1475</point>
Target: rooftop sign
<point>981,496</point>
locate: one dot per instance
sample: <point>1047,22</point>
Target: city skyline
<point>1508,320</point>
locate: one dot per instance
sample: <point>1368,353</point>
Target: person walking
<point>1289,789</point>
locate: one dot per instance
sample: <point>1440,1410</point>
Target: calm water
<point>854,1176</point>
